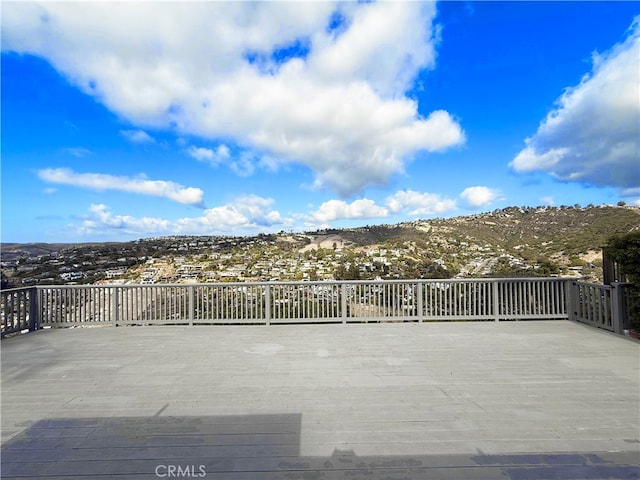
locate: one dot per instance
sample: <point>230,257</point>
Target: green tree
<point>547,268</point>
<point>625,251</point>
<point>428,269</point>
<point>353,272</point>
<point>350,273</point>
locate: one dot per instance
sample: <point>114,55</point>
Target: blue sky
<point>130,120</point>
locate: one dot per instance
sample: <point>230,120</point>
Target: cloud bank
<point>250,213</point>
<point>319,84</point>
<point>339,210</point>
<point>593,134</point>
<point>253,214</point>
<point>419,204</point>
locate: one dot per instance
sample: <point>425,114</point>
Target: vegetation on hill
<point>515,241</point>
<point>625,251</point>
<point>571,230</point>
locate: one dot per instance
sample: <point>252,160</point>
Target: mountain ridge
<point>505,242</point>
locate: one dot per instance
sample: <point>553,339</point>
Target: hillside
<point>561,237</point>
<point>543,231</point>
<point>11,251</point>
<point>509,242</point>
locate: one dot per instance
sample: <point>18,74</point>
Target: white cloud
<point>528,159</point>
<point>214,157</point>
<point>143,186</point>
<point>337,106</point>
<point>593,134</point>
<point>406,202</point>
<point>419,203</point>
<point>479,196</point>
<point>250,213</point>
<point>386,45</point>
<point>258,210</point>
<point>101,219</point>
<point>244,165</point>
<point>402,202</point>
<point>338,209</point>
<point>137,136</point>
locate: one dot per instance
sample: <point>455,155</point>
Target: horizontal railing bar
<point>317,283</point>
<point>24,289</point>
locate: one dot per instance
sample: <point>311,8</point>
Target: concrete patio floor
<point>512,400</point>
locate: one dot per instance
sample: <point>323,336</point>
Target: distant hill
<point>553,229</point>
<point>544,230</point>
<point>12,251</point>
<point>513,241</point>
<point>564,236</point>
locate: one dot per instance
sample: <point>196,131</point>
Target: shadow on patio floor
<point>258,447</point>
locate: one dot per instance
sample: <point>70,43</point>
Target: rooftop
<point>512,400</point>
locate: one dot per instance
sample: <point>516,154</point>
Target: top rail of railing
<point>20,289</point>
<point>310,282</point>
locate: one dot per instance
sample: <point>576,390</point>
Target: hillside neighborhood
<point>542,241</point>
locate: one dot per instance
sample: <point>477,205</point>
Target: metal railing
<point>602,306</point>
<point>286,302</point>
<point>19,310</point>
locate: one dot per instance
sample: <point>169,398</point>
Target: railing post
<point>191,306</point>
<point>38,308</point>
<point>267,312</point>
<point>343,303</point>
<point>496,301</point>
<point>618,310</point>
<point>33,309</point>
<point>572,300</point>
<point>114,306</point>
<point>420,301</point>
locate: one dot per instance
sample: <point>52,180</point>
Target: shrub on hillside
<point>625,251</point>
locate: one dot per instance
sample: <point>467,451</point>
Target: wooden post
<point>496,301</point>
<point>114,306</point>
<point>572,299</point>
<point>34,317</point>
<point>343,303</point>
<point>191,306</point>
<point>420,294</point>
<point>268,304</point>
<point>618,308</point>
